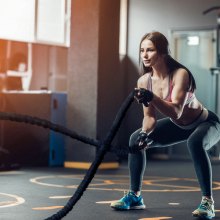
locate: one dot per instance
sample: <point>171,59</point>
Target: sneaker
<point>205,209</point>
<point>129,201</point>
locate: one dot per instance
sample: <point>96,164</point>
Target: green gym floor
<point>170,191</point>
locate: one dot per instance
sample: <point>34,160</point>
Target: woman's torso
<point>192,108</point>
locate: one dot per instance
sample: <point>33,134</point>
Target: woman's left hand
<point>143,141</point>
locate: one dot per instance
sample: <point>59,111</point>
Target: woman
<point>168,87</point>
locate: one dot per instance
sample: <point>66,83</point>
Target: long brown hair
<point>162,46</point>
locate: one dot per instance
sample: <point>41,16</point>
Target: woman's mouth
<point>146,61</point>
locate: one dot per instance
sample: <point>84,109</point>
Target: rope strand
<point>103,147</point>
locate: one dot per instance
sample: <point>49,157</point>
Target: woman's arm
<point>149,120</point>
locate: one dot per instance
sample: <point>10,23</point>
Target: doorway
<point>197,51</point>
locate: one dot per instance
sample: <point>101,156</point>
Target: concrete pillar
<point>93,77</point>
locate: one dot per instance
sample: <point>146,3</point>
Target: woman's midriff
<point>190,113</point>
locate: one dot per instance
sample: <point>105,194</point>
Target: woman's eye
<point>147,50</point>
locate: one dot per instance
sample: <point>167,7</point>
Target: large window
<point>36,21</point>
<point>123,27</point>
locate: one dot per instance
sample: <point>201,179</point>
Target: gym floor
<point>170,191</point>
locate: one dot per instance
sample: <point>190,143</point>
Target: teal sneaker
<point>129,201</point>
<point>205,209</point>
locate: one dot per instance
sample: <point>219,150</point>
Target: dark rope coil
<point>47,124</point>
<point>103,147</point>
<point>9,116</point>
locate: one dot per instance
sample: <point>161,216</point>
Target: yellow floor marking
<point>173,203</point>
<point>35,180</point>
<point>6,203</point>
<point>155,218</point>
<point>106,202</point>
<point>175,186</point>
<point>11,172</point>
<point>18,201</point>
<point>143,190</point>
<point>48,208</point>
<point>60,197</point>
<point>103,183</point>
<point>151,181</point>
<point>109,182</point>
<point>109,202</point>
<point>86,165</point>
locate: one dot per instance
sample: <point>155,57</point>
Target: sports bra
<point>190,95</point>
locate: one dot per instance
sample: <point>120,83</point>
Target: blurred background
<point>74,62</point>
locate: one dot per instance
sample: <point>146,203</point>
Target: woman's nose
<point>145,55</point>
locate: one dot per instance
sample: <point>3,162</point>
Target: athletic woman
<point>167,86</point>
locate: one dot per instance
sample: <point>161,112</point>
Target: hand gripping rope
<point>103,147</point>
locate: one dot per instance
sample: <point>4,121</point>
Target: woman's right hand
<point>143,96</point>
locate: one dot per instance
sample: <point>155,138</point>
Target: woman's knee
<point>133,138</point>
<point>197,144</point>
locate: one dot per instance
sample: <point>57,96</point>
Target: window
<point>123,27</point>
<point>36,21</point>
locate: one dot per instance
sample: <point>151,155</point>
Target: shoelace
<point>206,205</point>
<point>127,195</point>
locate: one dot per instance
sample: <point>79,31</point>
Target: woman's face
<point>148,53</point>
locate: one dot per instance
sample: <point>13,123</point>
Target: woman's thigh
<point>206,134</point>
<point>166,133</point>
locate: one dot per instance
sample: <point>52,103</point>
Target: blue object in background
<point>57,140</point>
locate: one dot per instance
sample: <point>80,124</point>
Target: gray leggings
<point>166,133</point>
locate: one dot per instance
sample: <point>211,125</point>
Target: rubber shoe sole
<point>129,208</point>
<point>203,216</point>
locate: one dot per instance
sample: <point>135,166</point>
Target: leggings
<point>199,140</point>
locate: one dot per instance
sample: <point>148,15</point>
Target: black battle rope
<point>60,129</point>
<point>104,147</point>
<point>47,124</point>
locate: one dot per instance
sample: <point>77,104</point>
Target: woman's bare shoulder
<point>142,81</point>
<point>181,75</point>
<point>181,72</point>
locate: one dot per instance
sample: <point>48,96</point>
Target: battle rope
<point>47,124</point>
<point>119,151</point>
<point>103,147</point>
